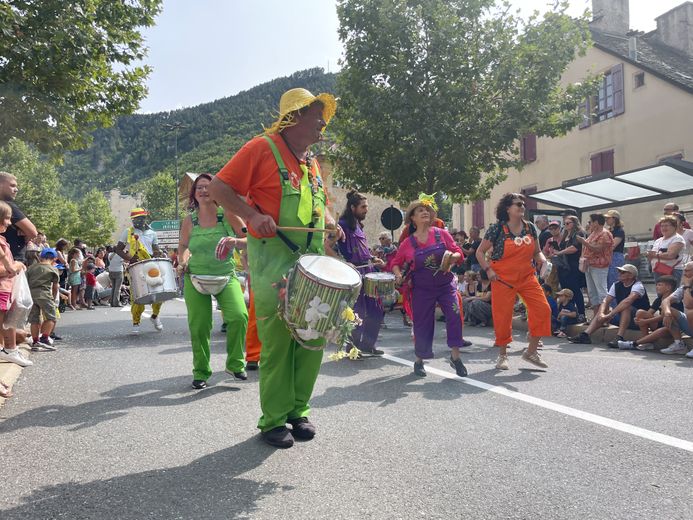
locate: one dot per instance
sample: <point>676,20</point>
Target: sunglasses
<point>519,204</point>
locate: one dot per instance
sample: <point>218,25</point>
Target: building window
<point>528,148</point>
<point>639,80</point>
<point>609,100</point>
<point>478,213</point>
<point>602,162</point>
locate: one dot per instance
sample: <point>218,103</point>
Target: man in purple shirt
<point>354,248</point>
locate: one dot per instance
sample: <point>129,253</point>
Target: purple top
<point>354,246</point>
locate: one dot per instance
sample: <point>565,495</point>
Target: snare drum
<point>318,290</point>
<point>378,285</point>
<point>152,281</point>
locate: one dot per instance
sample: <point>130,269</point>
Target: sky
<point>202,50</point>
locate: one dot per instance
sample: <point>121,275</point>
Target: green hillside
<point>138,146</point>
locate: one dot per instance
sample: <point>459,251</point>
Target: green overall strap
<point>283,171</point>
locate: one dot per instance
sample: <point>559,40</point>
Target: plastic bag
<point>22,302</point>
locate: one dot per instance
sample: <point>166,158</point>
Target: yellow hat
<point>138,212</point>
<point>298,98</point>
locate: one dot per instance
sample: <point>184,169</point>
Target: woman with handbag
<point>666,255</point>
<point>207,276</point>
<point>596,258</point>
<point>566,260</point>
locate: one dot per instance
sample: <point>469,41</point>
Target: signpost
<point>167,232</point>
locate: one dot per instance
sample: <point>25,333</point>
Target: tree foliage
<point>67,68</point>
<point>96,222</point>
<point>160,196</point>
<point>435,93</point>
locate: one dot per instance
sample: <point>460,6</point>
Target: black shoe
<point>372,352</point>
<point>302,428</point>
<point>441,318</point>
<point>223,327</point>
<point>419,369</point>
<point>582,338</point>
<point>466,343</point>
<point>242,375</point>
<point>56,337</point>
<point>199,384</point>
<point>279,437</point>
<point>459,367</point>
<point>614,343</point>
<point>251,365</point>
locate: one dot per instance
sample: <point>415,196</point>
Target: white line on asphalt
<point>572,412</point>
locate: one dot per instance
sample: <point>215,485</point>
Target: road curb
<point>10,372</point>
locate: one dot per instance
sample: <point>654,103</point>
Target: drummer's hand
<point>492,276</point>
<point>263,225</point>
<point>377,262</point>
<point>339,232</point>
<point>398,279</point>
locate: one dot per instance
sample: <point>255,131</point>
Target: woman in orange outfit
<point>515,245</point>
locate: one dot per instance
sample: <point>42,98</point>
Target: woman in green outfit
<point>200,233</point>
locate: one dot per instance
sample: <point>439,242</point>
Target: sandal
<point>5,391</point>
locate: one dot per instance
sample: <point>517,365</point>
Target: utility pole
<point>175,127</point>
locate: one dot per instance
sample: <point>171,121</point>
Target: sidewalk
<point>10,372</point>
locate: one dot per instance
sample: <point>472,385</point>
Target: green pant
<point>235,316</point>
<point>287,371</point>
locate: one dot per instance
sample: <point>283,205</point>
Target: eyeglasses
<point>519,204</point>
<point>201,187</point>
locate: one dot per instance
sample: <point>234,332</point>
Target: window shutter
<point>531,147</point>
<point>608,161</point>
<point>584,111</point>
<point>596,164</point>
<point>619,98</point>
<point>478,214</point>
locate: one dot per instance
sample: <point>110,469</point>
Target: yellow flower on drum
<point>354,353</point>
<point>348,314</point>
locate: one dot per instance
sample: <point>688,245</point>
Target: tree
<point>96,222</point>
<point>435,93</point>
<point>67,68</point>
<point>39,188</point>
<point>159,196</point>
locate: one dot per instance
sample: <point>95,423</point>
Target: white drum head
<point>380,277</point>
<point>329,270</point>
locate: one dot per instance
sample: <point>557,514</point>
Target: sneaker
<point>251,365</point>
<point>690,354</point>
<point>645,346</point>
<point>675,348</point>
<point>15,356</point>
<point>534,358</point>
<point>502,362</point>
<point>459,367</point>
<point>626,345</point>
<point>419,369</point>
<point>466,343</point>
<point>583,338</point>
<point>46,342</point>
<point>199,384</point>
<point>372,352</point>
<point>614,343</point>
<point>302,428</point>
<point>40,345</point>
<point>135,328</point>
<point>157,323</point>
<point>279,437</point>
<point>242,375</point>
<point>223,328</point>
<point>55,337</point>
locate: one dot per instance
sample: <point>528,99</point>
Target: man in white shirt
<point>141,243</point>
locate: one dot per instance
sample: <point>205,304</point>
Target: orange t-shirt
<point>253,173</point>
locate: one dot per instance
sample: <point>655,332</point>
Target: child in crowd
<point>43,281</point>
<point>567,312</point>
<point>75,277</point>
<point>548,292</point>
<point>462,284</point>
<point>9,351</point>
<point>90,286</point>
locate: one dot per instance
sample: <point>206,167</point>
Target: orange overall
<point>515,269</point>
<point>252,341</point>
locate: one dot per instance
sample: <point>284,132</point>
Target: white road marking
<point>566,410</point>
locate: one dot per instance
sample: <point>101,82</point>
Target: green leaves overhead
<point>67,68</point>
<point>434,93</point>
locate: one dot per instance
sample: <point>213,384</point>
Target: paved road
<point>108,428</point>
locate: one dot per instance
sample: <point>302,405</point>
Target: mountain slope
<point>139,146</point>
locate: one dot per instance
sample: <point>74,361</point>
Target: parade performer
<point>432,282</point>
<point>432,207</point>
<point>283,187</point>
<point>139,242</point>
<point>200,234</point>
<point>354,249</point>
<point>515,245</point>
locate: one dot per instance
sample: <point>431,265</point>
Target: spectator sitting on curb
<point>43,281</point>
<point>567,312</point>
<point>629,295</point>
<point>681,320</point>
<point>651,325</point>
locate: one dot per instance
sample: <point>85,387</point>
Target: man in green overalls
<point>283,187</point>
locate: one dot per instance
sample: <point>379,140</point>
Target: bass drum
<point>152,281</point>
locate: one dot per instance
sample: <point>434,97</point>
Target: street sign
<point>165,225</point>
<point>167,232</point>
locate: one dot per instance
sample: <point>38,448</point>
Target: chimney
<point>675,28</point>
<point>610,16</point>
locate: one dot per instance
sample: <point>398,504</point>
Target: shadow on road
<point>164,392</point>
<point>207,488</point>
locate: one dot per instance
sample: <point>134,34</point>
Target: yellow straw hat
<point>296,99</point>
<point>138,212</point>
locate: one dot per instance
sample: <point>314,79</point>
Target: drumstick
<point>305,229</point>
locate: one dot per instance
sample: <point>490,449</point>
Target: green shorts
<point>45,307</point>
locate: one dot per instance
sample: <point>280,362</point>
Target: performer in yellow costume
<point>139,242</point>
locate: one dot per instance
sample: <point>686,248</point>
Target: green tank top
<point>202,245</point>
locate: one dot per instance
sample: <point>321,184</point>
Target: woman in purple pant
<point>424,249</point>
